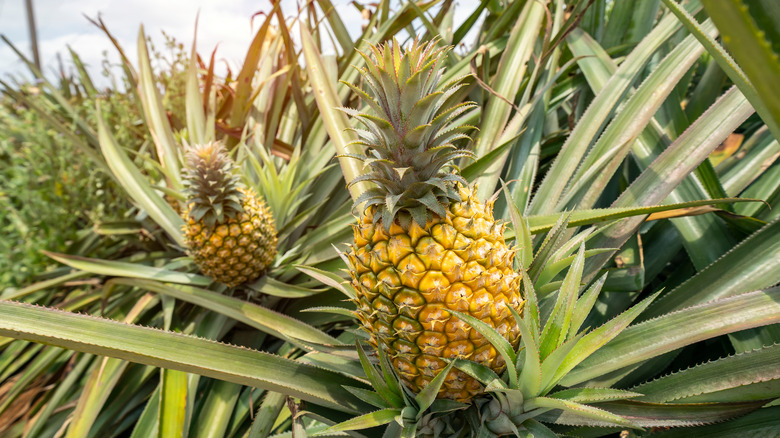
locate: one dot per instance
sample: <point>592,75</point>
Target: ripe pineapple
<point>425,244</point>
<point>229,231</point>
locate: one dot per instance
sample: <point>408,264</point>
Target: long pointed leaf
<point>179,352</point>
<point>500,343</point>
<point>377,380</point>
<point>761,423</point>
<point>749,266</point>
<point>511,72</point>
<point>540,224</point>
<point>137,186</point>
<point>578,408</point>
<point>752,375</point>
<point>657,414</point>
<point>669,332</point>
<point>671,167</point>
<point>126,269</point>
<point>335,121</point>
<point>427,396</point>
<point>156,118</point>
<point>595,118</point>
<point>173,402</point>
<point>593,341</point>
<point>256,316</point>
<point>372,419</point>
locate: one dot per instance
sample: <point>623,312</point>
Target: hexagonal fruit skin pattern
<point>237,250</point>
<point>408,281</point>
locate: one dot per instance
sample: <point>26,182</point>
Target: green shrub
<point>53,190</point>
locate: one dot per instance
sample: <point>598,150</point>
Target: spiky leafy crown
<point>211,186</point>
<point>410,135</point>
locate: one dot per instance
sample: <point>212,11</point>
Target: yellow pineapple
<point>425,245</point>
<point>229,231</point>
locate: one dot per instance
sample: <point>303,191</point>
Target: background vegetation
<point>642,132</point>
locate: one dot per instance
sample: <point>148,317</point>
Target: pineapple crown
<point>409,138</point>
<point>211,186</point>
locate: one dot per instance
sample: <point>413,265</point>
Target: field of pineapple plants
<point>556,218</point>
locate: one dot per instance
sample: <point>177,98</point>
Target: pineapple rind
<point>408,281</point>
<point>238,249</point>
<point>230,233</point>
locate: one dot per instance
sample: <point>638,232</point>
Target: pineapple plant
<point>229,231</point>
<point>564,377</point>
<point>575,318</point>
<point>425,245</point>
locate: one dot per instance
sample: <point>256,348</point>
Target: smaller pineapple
<point>229,231</point>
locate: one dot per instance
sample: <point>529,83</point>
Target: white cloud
<point>226,23</point>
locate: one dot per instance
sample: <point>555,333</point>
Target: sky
<point>62,23</point>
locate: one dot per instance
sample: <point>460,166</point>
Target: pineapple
<point>229,231</point>
<point>425,245</point>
